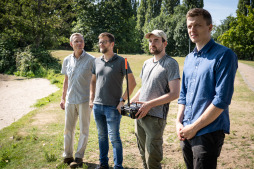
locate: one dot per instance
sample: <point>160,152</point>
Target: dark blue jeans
<point>201,152</point>
<point>107,120</point>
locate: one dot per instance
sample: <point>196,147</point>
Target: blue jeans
<point>107,120</point>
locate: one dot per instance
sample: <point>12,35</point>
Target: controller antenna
<point>126,70</point>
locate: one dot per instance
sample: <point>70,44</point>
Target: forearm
<point>166,98</point>
<point>135,97</point>
<point>174,87</point>
<point>210,114</point>
<point>180,114</point>
<point>131,84</point>
<point>92,89</point>
<point>65,87</point>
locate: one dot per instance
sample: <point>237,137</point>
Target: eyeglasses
<point>103,42</point>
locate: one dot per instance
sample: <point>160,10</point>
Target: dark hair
<point>109,35</point>
<point>200,12</point>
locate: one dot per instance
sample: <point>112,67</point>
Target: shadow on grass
<point>93,166</point>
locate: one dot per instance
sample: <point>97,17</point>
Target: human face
<point>198,30</point>
<point>77,43</point>
<point>156,46</point>
<point>104,44</point>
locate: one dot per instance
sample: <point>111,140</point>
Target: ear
<point>165,43</point>
<point>112,44</point>
<point>71,44</point>
<point>210,27</point>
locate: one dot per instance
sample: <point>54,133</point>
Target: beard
<point>105,50</point>
<point>156,51</point>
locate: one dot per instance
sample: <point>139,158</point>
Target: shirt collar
<point>206,48</point>
<point>111,59</point>
<point>81,56</point>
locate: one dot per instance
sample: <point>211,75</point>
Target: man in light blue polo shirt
<point>75,99</point>
<point>206,92</point>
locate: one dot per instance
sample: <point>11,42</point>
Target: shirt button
<point>196,67</point>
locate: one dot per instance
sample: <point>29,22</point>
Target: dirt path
<point>17,94</point>
<point>246,72</point>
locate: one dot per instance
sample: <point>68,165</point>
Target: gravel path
<point>247,72</point>
<point>18,94</point>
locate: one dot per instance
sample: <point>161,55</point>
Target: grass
<point>250,63</point>
<point>36,140</point>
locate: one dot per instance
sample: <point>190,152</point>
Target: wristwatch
<point>122,100</point>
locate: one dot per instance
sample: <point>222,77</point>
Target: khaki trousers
<point>72,113</point>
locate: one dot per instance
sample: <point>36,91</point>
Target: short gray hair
<point>76,34</point>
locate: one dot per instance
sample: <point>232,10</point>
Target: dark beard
<point>156,52</point>
<point>104,50</point>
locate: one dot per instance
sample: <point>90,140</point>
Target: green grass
<point>36,140</point>
<point>250,63</point>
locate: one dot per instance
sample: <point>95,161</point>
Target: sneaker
<point>68,160</point>
<point>102,167</point>
<point>76,163</point>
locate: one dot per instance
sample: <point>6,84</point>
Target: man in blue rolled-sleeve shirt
<point>206,92</point>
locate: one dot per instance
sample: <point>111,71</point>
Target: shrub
<point>7,57</point>
<point>36,62</point>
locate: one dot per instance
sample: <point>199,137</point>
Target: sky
<point>221,9</point>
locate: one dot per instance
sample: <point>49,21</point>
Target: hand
<point>179,127</point>
<point>143,110</point>
<point>91,103</point>
<point>121,104</point>
<point>188,132</point>
<point>62,104</point>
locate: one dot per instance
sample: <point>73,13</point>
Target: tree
<point>240,36</point>
<point>95,18</point>
<point>175,28</point>
<point>194,3</point>
<point>40,22</point>
<point>242,6</point>
<point>223,27</point>
<point>169,5</point>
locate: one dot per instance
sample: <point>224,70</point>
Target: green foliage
<point>194,3</point>
<point>240,36</point>
<point>35,62</point>
<point>169,5</point>
<point>223,27</point>
<point>7,58</point>
<point>175,28</point>
<point>242,8</point>
<point>50,156</point>
<point>95,18</point>
<point>42,23</point>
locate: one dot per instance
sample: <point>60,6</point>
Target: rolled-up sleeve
<point>182,96</point>
<point>225,75</point>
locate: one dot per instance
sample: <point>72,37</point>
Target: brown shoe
<point>76,163</point>
<point>68,160</point>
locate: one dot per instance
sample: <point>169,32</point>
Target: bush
<point>7,57</point>
<point>36,62</point>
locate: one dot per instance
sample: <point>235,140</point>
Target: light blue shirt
<point>79,72</point>
<point>208,78</point>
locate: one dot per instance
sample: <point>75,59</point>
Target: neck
<point>159,56</point>
<point>108,55</point>
<point>202,44</point>
<point>77,54</point>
